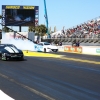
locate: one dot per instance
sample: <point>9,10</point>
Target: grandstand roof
<point>56,33</point>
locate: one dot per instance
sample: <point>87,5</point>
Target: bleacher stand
<point>85,32</point>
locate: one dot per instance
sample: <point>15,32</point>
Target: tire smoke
<point>19,43</point>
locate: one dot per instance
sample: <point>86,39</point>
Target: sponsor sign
<point>98,50</point>
<point>73,49</point>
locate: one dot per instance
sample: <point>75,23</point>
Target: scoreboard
<point>15,15</point>
<point>19,7</point>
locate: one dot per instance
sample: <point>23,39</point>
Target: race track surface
<point>68,77</point>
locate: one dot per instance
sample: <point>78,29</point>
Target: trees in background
<point>7,29</point>
<point>39,30</point>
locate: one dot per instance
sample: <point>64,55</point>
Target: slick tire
<point>44,50</point>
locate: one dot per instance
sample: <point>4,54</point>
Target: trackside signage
<point>98,50</point>
<point>73,49</point>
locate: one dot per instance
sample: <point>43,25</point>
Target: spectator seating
<point>88,32</point>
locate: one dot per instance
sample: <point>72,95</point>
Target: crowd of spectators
<point>90,29</point>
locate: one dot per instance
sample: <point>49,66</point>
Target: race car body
<point>45,47</point>
<point>9,51</point>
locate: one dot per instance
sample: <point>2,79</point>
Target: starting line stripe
<point>4,96</point>
<point>40,54</point>
<point>37,54</point>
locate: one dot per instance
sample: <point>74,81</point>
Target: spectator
<point>60,43</point>
<point>88,29</point>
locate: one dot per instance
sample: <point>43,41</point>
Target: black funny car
<point>10,51</point>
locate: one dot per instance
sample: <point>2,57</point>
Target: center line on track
<point>27,87</point>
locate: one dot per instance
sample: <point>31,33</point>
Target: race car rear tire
<point>44,50</point>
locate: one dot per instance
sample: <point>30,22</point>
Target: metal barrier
<point>81,40</point>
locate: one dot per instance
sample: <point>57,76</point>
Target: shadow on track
<point>14,60</point>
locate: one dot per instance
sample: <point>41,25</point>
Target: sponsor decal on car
<point>9,49</point>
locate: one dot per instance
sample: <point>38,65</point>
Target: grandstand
<point>87,33</point>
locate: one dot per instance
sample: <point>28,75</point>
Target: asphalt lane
<point>80,56</point>
<point>41,78</point>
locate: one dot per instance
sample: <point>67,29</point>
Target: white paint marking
<point>16,51</point>
<point>4,96</point>
<point>28,88</point>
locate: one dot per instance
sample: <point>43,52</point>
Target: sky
<point>61,13</point>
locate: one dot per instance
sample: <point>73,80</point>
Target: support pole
<point>46,18</point>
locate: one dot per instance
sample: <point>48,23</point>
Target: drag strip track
<point>47,78</point>
<point>80,56</point>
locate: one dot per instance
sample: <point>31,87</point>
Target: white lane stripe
<point>4,96</point>
<point>16,51</point>
<point>9,49</point>
<point>27,87</point>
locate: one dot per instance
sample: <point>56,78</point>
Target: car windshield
<point>46,43</point>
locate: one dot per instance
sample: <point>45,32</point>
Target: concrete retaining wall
<point>90,50</point>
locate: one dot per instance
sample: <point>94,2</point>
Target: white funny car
<point>46,47</point>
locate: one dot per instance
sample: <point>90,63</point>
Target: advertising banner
<point>73,49</point>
